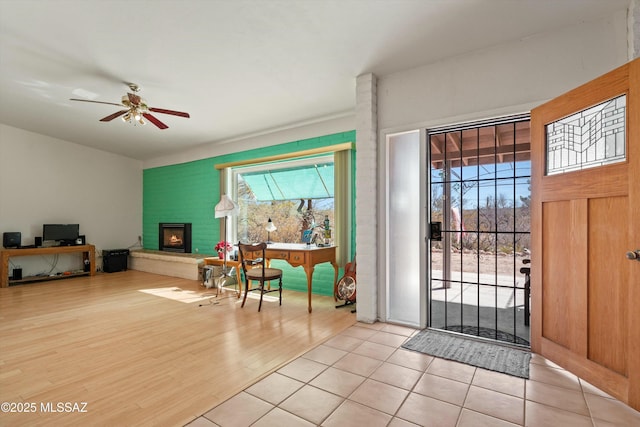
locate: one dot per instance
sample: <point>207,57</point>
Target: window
<point>296,190</point>
<point>297,195</point>
<point>587,139</point>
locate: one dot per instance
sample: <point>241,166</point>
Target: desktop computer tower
<point>114,260</point>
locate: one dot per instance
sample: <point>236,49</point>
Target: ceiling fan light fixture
<point>136,109</point>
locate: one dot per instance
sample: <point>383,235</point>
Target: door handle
<point>634,255</point>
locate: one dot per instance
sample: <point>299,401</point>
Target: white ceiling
<point>239,67</point>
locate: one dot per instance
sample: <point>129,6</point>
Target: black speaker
<point>114,260</point>
<point>17,274</point>
<point>12,239</point>
<point>38,242</point>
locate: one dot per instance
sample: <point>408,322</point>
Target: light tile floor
<point>362,377</point>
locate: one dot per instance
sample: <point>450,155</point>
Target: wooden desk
<point>88,250</point>
<point>300,254</point>
<point>230,263</point>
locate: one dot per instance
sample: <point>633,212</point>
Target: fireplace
<point>174,237</point>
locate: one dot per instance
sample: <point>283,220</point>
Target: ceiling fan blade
<point>175,113</point>
<point>113,116</point>
<point>134,99</point>
<point>95,102</point>
<point>154,121</point>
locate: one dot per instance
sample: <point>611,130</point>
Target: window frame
<point>343,191</point>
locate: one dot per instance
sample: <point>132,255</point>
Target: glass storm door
<point>480,193</point>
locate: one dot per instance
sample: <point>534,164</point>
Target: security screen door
<point>480,195</point>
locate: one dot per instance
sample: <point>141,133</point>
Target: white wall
<point>47,180</point>
<point>522,72</point>
<point>507,79</point>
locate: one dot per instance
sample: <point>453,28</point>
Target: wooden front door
<point>585,151</point>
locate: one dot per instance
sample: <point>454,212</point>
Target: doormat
<point>493,357</point>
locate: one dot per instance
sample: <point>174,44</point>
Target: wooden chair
<point>254,267</point>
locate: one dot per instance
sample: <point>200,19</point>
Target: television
<point>67,233</point>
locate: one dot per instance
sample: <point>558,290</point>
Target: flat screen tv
<point>60,232</point>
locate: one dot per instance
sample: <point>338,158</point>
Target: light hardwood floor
<point>144,349</point>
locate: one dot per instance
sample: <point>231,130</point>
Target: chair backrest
<point>252,255</point>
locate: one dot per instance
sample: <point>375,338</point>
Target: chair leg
<point>280,290</point>
<point>261,294</point>
<point>246,292</point>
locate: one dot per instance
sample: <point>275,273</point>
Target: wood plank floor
<point>144,349</point>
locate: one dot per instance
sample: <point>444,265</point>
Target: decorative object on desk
<point>346,286</point>
<point>307,221</point>
<point>327,231</point>
<point>225,207</point>
<point>306,236</point>
<point>270,227</point>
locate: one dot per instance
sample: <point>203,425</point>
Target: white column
<point>366,197</point>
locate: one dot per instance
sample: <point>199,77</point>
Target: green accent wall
<point>188,192</point>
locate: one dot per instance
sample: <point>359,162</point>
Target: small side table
<point>230,263</point>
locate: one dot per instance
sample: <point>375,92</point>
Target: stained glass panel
<point>587,139</point>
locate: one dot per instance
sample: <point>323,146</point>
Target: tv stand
<point>89,253</point>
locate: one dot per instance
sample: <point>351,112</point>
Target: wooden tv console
<point>89,252</point>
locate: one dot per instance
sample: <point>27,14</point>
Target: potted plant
<point>223,247</point>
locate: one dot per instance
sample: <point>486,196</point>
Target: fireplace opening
<point>174,237</point>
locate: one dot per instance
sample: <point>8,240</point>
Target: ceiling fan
<point>135,109</point>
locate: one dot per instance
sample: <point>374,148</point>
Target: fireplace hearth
<point>174,237</point>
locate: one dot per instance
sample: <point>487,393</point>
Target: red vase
<point>221,255</point>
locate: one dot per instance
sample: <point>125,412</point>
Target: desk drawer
<point>277,254</point>
<point>254,255</point>
<point>297,257</point>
